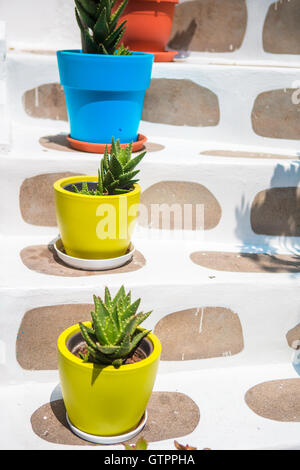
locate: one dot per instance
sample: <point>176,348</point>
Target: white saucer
<point>92,264</point>
<point>108,439</point>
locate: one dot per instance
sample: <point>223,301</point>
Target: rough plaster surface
<point>281,34</point>
<point>36,199</point>
<point>293,337</point>
<point>241,154</point>
<point>180,193</point>
<point>276,114</point>
<point>46,102</point>
<point>276,211</point>
<point>200,333</point>
<point>56,142</point>
<point>39,330</point>
<point>43,259</point>
<point>247,262</point>
<point>278,400</point>
<point>209,25</point>
<point>180,103</point>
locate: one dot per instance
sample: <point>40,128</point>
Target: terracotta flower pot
<point>149,25</point>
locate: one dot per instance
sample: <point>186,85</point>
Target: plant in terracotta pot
<point>108,368</point>
<point>96,215</point>
<point>149,25</point>
<point>104,83</point>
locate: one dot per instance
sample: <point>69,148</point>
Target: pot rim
<point>75,361</point>
<point>59,187</point>
<point>78,52</point>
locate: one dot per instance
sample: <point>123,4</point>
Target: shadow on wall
<point>183,38</point>
<point>196,22</point>
<point>274,212</point>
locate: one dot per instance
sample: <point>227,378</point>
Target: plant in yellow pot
<point>107,370</point>
<point>96,215</point>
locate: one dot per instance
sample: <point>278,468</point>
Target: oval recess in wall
<point>36,199</point>
<point>281,34</point>
<point>46,102</point>
<point>293,337</point>
<point>180,103</point>
<point>276,115</point>
<point>196,22</point>
<point>166,203</point>
<point>278,400</point>
<point>246,262</point>
<point>200,333</point>
<point>276,212</point>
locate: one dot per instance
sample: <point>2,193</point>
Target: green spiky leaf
<point>116,174</point>
<point>90,6</point>
<point>115,167</point>
<point>115,332</point>
<point>101,26</point>
<point>134,162</point>
<point>85,17</point>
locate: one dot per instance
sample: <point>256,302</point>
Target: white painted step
<point>5,137</point>
<point>267,304</point>
<point>26,32</point>
<point>233,182</point>
<point>236,88</point>
<point>226,422</point>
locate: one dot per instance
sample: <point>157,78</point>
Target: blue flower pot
<point>104,94</point>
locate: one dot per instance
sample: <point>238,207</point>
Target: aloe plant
<point>117,174</point>
<point>98,22</point>
<point>114,335</point>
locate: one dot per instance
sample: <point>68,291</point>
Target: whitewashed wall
<point>51,25</point>
<point>40,24</point>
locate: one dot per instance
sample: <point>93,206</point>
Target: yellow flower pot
<point>95,227</point>
<point>104,401</point>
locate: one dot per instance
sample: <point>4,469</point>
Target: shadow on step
<point>247,262</point>
<point>170,415</point>
<point>43,259</point>
<point>60,142</point>
<point>273,212</point>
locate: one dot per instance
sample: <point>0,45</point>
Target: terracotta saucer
<point>164,56</point>
<point>100,148</point>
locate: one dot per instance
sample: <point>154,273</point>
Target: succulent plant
<point>117,173</point>
<point>114,335</point>
<point>98,22</point>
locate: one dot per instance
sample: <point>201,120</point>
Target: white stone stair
<point>266,303</point>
